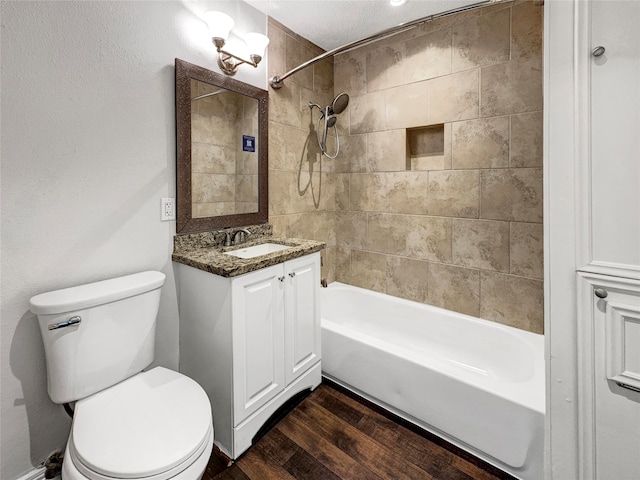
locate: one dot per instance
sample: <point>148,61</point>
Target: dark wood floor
<point>333,435</point>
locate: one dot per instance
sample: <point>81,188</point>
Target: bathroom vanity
<point>249,330</point>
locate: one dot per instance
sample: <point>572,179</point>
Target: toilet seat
<point>153,426</point>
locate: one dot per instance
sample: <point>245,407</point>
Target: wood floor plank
<point>218,463</point>
<point>257,465</point>
<point>336,405</point>
<point>439,465</point>
<point>334,435</point>
<point>352,400</point>
<point>437,460</point>
<point>430,457</point>
<point>324,451</point>
<point>278,446</point>
<point>442,459</point>
<point>231,473</point>
<point>478,473</point>
<point>303,465</point>
<point>359,446</point>
<point>372,422</point>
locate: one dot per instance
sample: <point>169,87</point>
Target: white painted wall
<point>88,150</point>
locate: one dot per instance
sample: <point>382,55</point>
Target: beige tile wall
<point>461,230</point>
<point>302,184</point>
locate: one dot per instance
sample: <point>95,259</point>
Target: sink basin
<point>257,250</point>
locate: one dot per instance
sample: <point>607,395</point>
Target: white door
<point>258,339</point>
<point>302,327</point>
<point>614,320</point>
<point>592,225</point>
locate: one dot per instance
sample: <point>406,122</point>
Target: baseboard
<point>35,474</point>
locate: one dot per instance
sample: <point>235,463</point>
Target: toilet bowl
<point>127,423</point>
<point>155,425</point>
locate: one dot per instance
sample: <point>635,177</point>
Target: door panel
<point>302,329</point>
<point>614,316</point>
<point>258,361</point>
<point>615,138</point>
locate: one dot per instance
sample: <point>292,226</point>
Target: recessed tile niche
<point>425,147</point>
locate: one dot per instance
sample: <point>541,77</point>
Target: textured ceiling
<point>333,23</point>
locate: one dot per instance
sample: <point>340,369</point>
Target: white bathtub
<point>475,383</point>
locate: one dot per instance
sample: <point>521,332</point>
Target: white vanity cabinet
<point>251,341</point>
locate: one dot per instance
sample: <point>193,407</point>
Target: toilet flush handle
<point>72,321</point>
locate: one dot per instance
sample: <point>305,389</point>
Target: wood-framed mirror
<point>221,145</point>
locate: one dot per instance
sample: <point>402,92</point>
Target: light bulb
<point>256,43</point>
<point>220,24</point>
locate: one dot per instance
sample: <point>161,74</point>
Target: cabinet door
<point>302,324</point>
<point>258,332</point>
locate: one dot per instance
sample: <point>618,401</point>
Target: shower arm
<point>276,81</point>
<point>311,105</point>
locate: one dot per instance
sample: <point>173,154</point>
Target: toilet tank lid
<point>97,293</point>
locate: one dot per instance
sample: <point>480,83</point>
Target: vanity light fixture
<point>220,25</point>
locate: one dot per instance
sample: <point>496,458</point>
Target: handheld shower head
<point>340,103</point>
<point>328,114</point>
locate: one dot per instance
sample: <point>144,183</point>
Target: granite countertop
<point>212,259</point>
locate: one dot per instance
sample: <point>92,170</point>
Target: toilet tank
<point>113,340</point>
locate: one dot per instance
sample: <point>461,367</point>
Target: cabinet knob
<point>292,274</point>
<point>281,278</point>
<point>600,293</point>
<point>598,51</point>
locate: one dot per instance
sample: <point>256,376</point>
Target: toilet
<point>127,423</point>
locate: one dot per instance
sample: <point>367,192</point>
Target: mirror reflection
<point>224,151</point>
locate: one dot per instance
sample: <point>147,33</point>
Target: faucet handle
<point>227,237</point>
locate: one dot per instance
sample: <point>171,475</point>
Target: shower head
<point>339,103</point>
<point>328,115</point>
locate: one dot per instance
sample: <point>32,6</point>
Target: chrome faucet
<point>240,235</point>
<point>228,241</point>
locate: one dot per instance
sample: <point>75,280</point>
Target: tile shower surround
<point>461,230</point>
